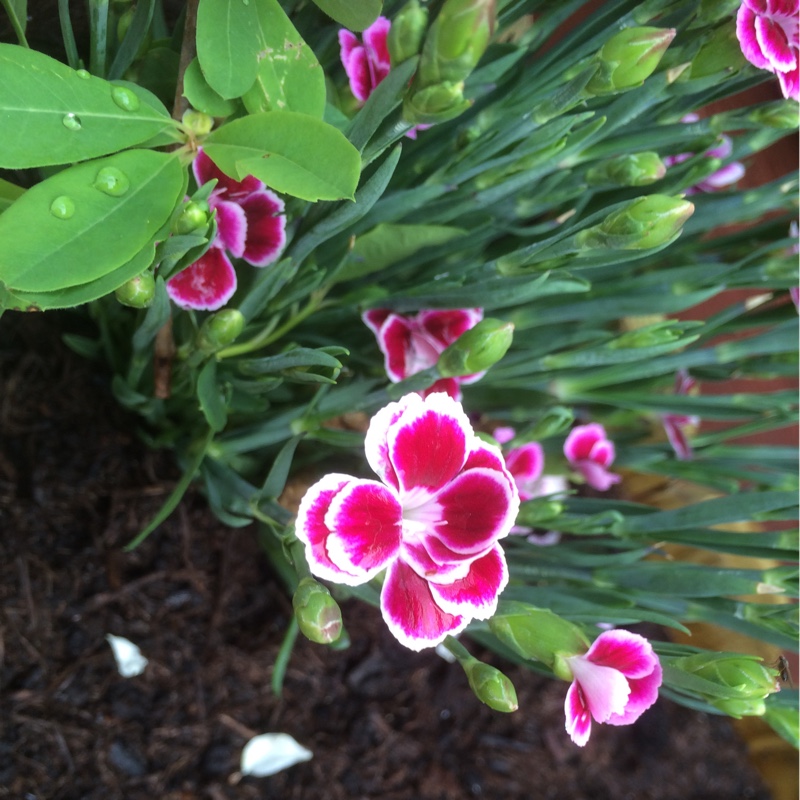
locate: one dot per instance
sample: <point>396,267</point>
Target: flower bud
<point>782,115</point>
<point>138,292</point>
<point>193,217</point>
<point>316,612</point>
<point>220,329</point>
<point>433,104</point>
<point>407,32</point>
<point>491,686</point>
<point>197,122</point>
<point>628,58</point>
<point>646,222</point>
<point>537,633</point>
<point>634,169</point>
<point>456,41</point>
<point>663,332</point>
<point>536,513</point>
<point>722,54</point>
<point>476,349</point>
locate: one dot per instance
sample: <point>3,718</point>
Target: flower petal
<point>475,595</point>
<point>447,325</point>
<point>418,558</point>
<point>311,530</point>
<point>364,519</point>
<point>596,476</point>
<point>748,41</point>
<point>375,37</point>
<point>205,170</point>
<point>266,227</point>
<point>205,285</point>
<point>376,445</point>
<point>605,690</point>
<point>231,226</point>
<point>579,720</point>
<point>358,73</point>
<point>603,453</point>
<point>409,610</point>
<point>678,439</point>
<point>790,83</point>
<point>526,465</point>
<point>775,45</point>
<point>449,386</point>
<point>581,439</point>
<point>644,692</point>
<point>374,318</point>
<point>723,177</point>
<point>627,652</point>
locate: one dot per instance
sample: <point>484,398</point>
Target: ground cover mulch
<point>200,601</point>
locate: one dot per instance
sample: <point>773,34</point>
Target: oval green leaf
<point>353,15</point>
<point>292,153</point>
<point>64,232</point>
<point>201,96</point>
<point>59,115</point>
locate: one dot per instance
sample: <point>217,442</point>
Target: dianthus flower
<point>769,35</point>
<point>250,226</point>
<point>411,344</point>
<point>615,682</point>
<point>591,453</point>
<point>675,424</point>
<point>432,521</point>
<point>720,179</point>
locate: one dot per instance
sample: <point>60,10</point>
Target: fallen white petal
<point>129,658</point>
<point>270,753</point>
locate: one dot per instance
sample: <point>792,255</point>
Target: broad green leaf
<point>292,153</point>
<point>59,115</point>
<point>387,243</point>
<point>9,192</point>
<point>289,76</point>
<point>64,232</point>
<point>201,96</point>
<point>353,15</point>
<point>228,45</point>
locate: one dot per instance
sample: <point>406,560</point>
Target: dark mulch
<point>200,601</point>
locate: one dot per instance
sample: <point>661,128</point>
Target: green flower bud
<point>784,115</point>
<point>722,54</point>
<point>635,169</point>
<point>316,612</point>
<point>536,513</point>
<point>476,349</point>
<point>537,633</point>
<point>556,419</point>
<point>220,329</point>
<point>663,332</point>
<point>644,223</point>
<point>193,217</point>
<point>628,58</point>
<point>197,122</point>
<point>734,707</point>
<point>491,686</point>
<point>433,104</point>
<point>456,41</point>
<point>138,292</point>
<point>407,32</point>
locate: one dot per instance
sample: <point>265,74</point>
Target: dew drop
<point>82,73</point>
<point>62,207</point>
<point>112,181</point>
<point>125,98</point>
<point>71,122</point>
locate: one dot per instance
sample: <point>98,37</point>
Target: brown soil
<point>200,601</point>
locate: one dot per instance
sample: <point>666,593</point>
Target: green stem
<point>458,650</point>
<point>68,35</point>
<point>19,28</point>
<point>284,654</point>
<point>98,39</point>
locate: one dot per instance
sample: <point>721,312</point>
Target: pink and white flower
<point>432,521</point>
<point>250,226</point>
<point>769,35</point>
<point>411,344</point>
<point>721,179</point>
<point>591,453</point>
<point>675,424</point>
<point>615,682</point>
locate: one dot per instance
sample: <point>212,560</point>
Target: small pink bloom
<point>367,63</point>
<point>589,451</point>
<point>615,682</point>
<point>411,344</point>
<point>724,177</point>
<point>675,424</point>
<point>769,35</point>
<point>250,226</point>
<point>433,520</point>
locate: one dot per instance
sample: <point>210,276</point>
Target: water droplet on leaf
<point>112,181</point>
<point>71,121</point>
<point>62,207</point>
<point>125,98</point>
<point>82,73</point>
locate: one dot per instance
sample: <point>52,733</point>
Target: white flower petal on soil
<point>269,753</point>
<point>129,658</point>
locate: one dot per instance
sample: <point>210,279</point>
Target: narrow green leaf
<point>155,318</point>
<point>59,115</point>
<point>228,45</point>
<point>201,96</point>
<point>65,232</point>
<point>212,403</point>
<point>279,471</point>
<point>292,153</point>
<point>134,38</point>
<point>354,16</point>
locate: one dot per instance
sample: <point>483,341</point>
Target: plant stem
<point>98,40</point>
<point>19,28</point>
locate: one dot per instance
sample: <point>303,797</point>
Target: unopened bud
<point>663,332</point>
<point>477,349</point>
<point>635,169</point>
<point>316,612</point>
<point>197,122</point>
<point>456,41</point>
<point>538,633</point>
<point>193,217</point>
<point>220,329</point>
<point>138,292</point>
<point>491,686</point>
<point>628,58</point>
<point>644,223</point>
<point>407,32</point>
<point>536,513</point>
<point>784,115</point>
<point>437,103</point>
